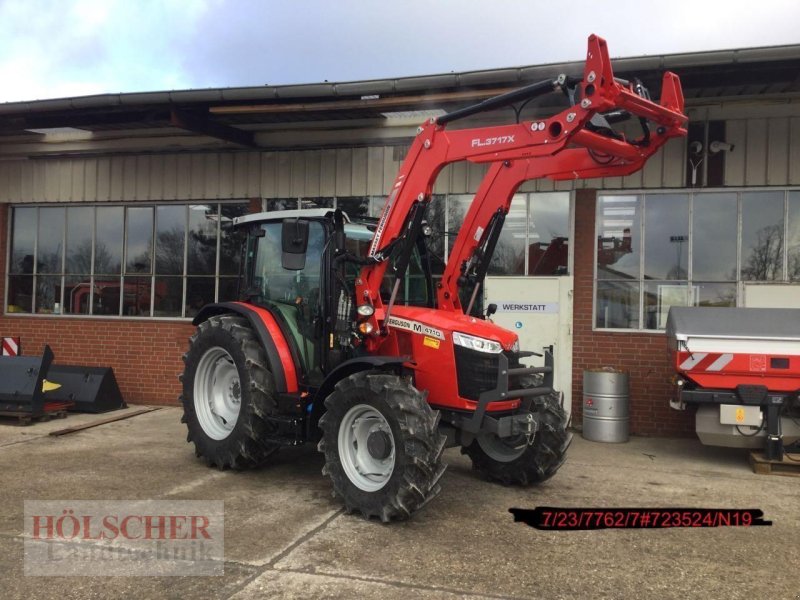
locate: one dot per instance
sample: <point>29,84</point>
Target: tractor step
<point>789,466</point>
<point>290,430</point>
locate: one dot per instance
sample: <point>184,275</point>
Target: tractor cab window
<point>276,284</point>
<point>414,287</point>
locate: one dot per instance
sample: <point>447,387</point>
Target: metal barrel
<point>606,400</point>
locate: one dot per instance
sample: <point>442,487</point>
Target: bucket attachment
<point>22,383</point>
<point>89,389</point>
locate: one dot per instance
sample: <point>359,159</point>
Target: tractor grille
<point>476,372</point>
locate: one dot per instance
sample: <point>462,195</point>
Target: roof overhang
<point>382,111</point>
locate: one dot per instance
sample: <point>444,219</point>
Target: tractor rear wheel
<point>514,460</point>
<point>382,446</point>
<point>228,393</point>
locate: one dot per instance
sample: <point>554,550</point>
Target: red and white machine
<point>741,366</point>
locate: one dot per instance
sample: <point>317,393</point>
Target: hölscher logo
<point>124,537</point>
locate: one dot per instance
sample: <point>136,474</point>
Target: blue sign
<point>518,324</point>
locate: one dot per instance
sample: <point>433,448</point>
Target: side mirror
<point>294,243</point>
<point>491,309</point>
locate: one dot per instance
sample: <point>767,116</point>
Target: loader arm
<point>564,146</point>
<point>495,195</point>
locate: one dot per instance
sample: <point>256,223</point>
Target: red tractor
<point>342,337</point>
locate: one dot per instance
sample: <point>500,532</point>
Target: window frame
<point>738,283</point>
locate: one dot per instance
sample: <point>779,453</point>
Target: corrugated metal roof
<point>505,76</point>
<point>228,117</point>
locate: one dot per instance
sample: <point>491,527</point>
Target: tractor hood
<point>419,319</point>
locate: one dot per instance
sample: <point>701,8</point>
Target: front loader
<point>341,336</point>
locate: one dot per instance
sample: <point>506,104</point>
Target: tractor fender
<point>268,332</point>
<point>354,365</point>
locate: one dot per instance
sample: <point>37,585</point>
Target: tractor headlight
<point>515,347</point>
<point>365,310</point>
<point>476,343</point>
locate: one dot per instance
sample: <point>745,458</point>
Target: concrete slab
<point>301,586</point>
<point>12,432</point>
<point>467,538</point>
<point>13,584</point>
<point>286,536</point>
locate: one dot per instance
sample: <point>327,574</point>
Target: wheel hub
<point>366,447</point>
<point>217,393</point>
<point>379,445</point>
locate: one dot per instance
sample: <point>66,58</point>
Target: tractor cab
<point>298,269</point>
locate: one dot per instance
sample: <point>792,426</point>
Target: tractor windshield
<point>276,284</point>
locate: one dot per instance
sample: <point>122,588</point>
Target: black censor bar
<point>550,518</point>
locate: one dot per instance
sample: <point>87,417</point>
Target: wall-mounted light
<point>717,146</point>
<point>62,134</point>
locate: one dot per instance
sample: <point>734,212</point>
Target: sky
<point>61,48</point>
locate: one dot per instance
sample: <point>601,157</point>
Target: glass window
<point>230,244</point>
<point>139,240</point>
<point>757,230</point>
<point>23,239</point>
<point>354,207</point>
<point>77,294</point>
<point>275,204</point>
<point>457,207</point>
<point>306,203</point>
<point>48,294</point>
<point>714,237</point>
<point>617,305</point>
<point>228,289</point>
<point>793,241</point>
<point>199,292</point>
<point>50,241</point>
<point>509,253</point>
<point>715,294</point>
<point>170,239</point>
<point>20,294</point>
<point>108,240</point>
<point>167,296</point>
<point>202,252</point>
<point>435,216</point>
<point>548,234</point>
<point>136,297</point>
<point>659,296</point>
<point>79,252</point>
<point>376,205</point>
<point>666,237</point>
<point>618,243</point>
<point>762,236</point>
<point>80,224</point>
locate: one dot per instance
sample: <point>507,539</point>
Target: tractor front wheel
<point>514,460</point>
<point>227,394</point>
<point>382,446</point>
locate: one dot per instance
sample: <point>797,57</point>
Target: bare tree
<point>765,261</point>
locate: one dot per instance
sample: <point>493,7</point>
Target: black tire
<point>417,444</point>
<point>244,445</point>
<point>538,461</point>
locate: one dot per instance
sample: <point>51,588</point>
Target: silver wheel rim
<point>364,470</point>
<point>502,450</point>
<point>217,393</point>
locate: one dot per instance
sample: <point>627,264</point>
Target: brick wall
<point>644,355</point>
<point>145,356</point>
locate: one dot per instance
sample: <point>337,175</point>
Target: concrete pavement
<point>286,537</point>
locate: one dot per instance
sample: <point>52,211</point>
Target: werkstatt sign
<point>527,307</point>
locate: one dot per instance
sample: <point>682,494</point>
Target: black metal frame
<point>21,383</point>
<point>521,422</point>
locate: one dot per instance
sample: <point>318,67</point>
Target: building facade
<point>115,215</point>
